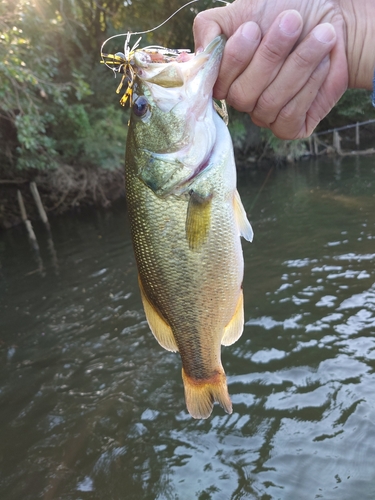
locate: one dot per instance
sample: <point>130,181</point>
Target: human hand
<point>289,80</point>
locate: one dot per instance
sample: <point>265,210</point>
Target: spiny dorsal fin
<point>244,225</point>
<point>198,220</point>
<point>161,330</point>
<point>234,328</point>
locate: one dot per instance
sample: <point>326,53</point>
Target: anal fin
<point>246,231</point>
<point>234,328</point>
<point>159,327</point>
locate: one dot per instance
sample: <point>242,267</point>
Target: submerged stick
<point>357,134</point>
<point>43,216</point>
<point>22,207</point>
<point>39,204</point>
<point>337,142</point>
<point>30,231</point>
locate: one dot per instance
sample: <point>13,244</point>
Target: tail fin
<point>200,395</point>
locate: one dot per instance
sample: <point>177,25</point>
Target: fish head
<point>171,125</point>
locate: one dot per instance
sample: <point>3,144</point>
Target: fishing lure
<point>123,62</point>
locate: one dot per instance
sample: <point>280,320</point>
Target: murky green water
<point>92,408</point>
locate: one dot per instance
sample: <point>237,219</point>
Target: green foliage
<point>70,126</point>
<point>104,145</point>
<point>237,131</point>
<point>58,104</point>
<point>281,149</point>
<point>33,87</point>
<point>354,106</point>
<point>35,148</point>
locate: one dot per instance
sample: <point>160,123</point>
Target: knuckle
<point>286,133</point>
<point>290,124</point>
<point>289,113</point>
<point>301,60</point>
<point>200,19</point>
<point>239,98</point>
<point>257,122</point>
<point>234,56</point>
<point>281,133</point>
<point>266,107</point>
<point>272,53</point>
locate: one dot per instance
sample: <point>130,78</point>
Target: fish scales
<point>185,285</point>
<point>191,287</point>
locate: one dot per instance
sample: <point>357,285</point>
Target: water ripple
<point>92,407</point>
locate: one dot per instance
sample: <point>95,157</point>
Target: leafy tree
<point>58,104</point>
<point>53,92</point>
<point>32,84</point>
<point>354,105</point>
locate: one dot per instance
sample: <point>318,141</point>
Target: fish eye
<point>140,106</point>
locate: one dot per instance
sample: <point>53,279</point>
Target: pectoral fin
<point>198,220</point>
<point>159,327</point>
<point>244,225</point>
<point>234,329</point>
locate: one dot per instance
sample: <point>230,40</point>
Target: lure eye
<point>140,106</point>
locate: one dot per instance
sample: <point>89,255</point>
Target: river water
<point>92,408</point>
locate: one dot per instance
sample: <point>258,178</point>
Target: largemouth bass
<point>186,218</point>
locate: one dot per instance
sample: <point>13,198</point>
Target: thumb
<point>208,25</point>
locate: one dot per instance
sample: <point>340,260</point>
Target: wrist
<point>359,17</point>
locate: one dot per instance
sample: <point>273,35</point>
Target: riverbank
<point>68,188</point>
<point>62,189</point>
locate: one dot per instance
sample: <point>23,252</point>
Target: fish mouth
<point>216,44</point>
<point>180,97</point>
<point>176,68</point>
<point>149,55</point>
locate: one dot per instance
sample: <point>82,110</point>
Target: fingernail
<point>324,33</point>
<point>290,22</point>
<point>250,31</point>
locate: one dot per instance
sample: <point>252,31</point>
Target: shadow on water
<point>92,408</point>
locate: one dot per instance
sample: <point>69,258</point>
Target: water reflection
<point>91,406</point>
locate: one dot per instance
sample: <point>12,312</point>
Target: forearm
<point>359,16</point>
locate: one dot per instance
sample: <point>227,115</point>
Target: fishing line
<point>128,51</point>
<point>261,189</point>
